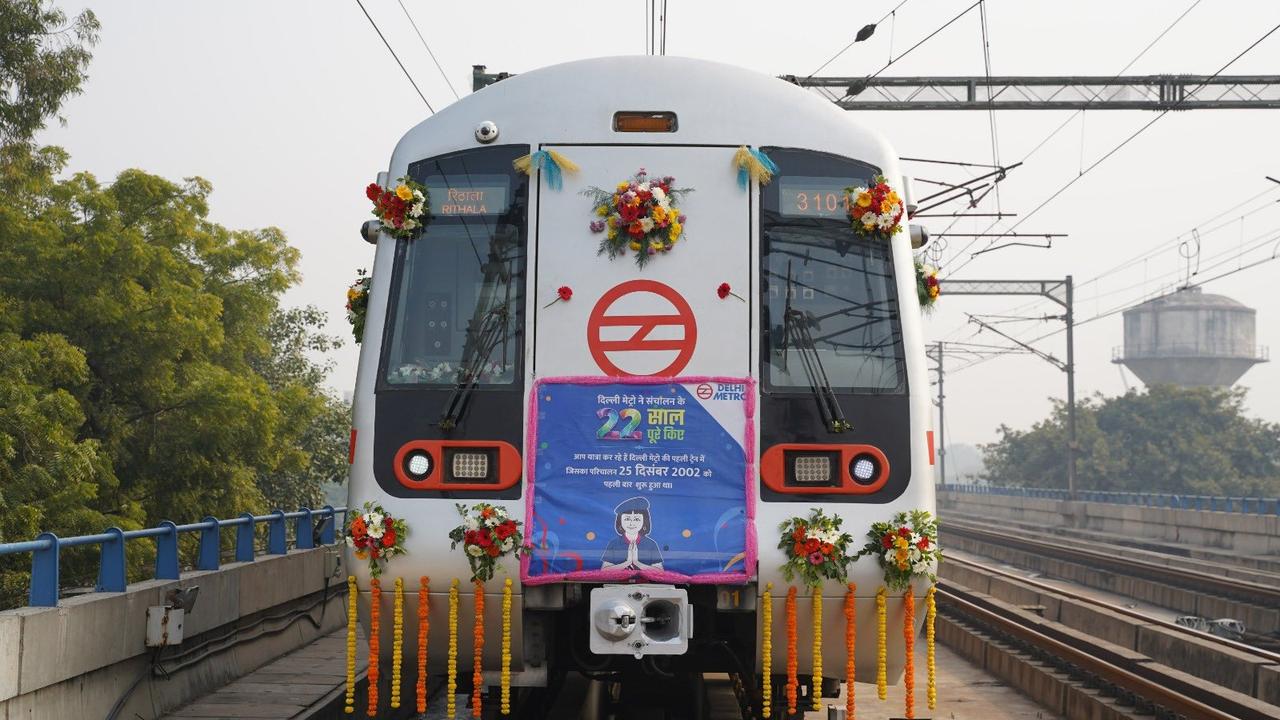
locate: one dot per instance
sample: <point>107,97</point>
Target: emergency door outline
<point>644,325</point>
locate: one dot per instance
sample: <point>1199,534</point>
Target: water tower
<point>1189,338</point>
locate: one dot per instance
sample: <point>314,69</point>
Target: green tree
<point>1166,439</point>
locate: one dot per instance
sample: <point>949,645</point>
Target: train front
<point>611,332</point>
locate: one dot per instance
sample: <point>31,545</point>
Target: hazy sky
<point>291,108</point>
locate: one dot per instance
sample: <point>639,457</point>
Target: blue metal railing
<point>1215,503</point>
<point>111,564</point>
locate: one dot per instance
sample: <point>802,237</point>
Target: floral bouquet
<point>358,303</point>
<point>927,287</point>
<point>876,211</point>
<point>486,534</point>
<point>402,211</point>
<point>907,548</point>
<point>375,536</point>
<point>639,214</point>
<point>815,547</point>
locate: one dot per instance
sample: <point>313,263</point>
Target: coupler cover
<point>640,620</point>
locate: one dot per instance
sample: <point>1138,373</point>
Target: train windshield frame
<point>829,298</point>
<point>457,296</point>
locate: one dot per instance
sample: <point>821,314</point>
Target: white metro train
<point>615,409</point>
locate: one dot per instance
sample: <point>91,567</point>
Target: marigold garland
<point>375,601</point>
<point>882,690</point>
<point>505,704</point>
<point>397,643</point>
<point>930,613</point>
<point>850,643</point>
<point>477,677</point>
<point>424,626</point>
<point>817,647</point>
<point>352,596</point>
<point>909,638</point>
<point>792,681</point>
<point>451,700</point>
<point>766,651</point>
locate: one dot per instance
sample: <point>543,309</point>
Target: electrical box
<point>640,620</point>
<point>164,626</point>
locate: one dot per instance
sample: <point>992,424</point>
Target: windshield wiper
<point>795,329</point>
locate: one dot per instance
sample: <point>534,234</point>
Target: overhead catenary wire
<point>854,41</point>
<point>428,48</point>
<point>397,57</point>
<point>991,110</point>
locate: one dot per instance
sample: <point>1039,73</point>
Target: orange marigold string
<point>352,596</point>
<point>930,613</point>
<point>451,699</point>
<point>909,637</point>
<point>477,677</point>
<point>850,643</point>
<point>375,609</point>
<point>397,643</point>
<point>792,681</point>
<point>424,626</point>
<point>766,652</point>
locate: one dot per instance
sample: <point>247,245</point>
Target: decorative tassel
<point>793,682</point>
<point>930,613</point>
<point>817,647</point>
<point>352,596</point>
<point>451,700</point>
<point>397,643</point>
<point>766,651</point>
<point>882,681</point>
<point>477,677</point>
<point>909,637</point>
<point>375,610</point>
<point>753,165</point>
<point>550,162</point>
<point>506,648</point>
<point>850,643</point>
<point>424,626</point>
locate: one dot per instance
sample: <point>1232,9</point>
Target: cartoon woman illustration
<point>633,548</point>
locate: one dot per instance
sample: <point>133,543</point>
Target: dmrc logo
<point>730,391</point>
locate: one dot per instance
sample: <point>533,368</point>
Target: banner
<point>641,478</point>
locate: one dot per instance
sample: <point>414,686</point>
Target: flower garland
<point>906,548</point>
<point>375,609</point>
<point>451,699</point>
<point>639,214</point>
<point>506,648</point>
<point>477,632</point>
<point>882,680</point>
<point>927,287</point>
<point>909,640</point>
<point>875,211</point>
<point>487,535</point>
<point>930,613</point>
<point>850,643</point>
<point>358,303</point>
<point>397,643</point>
<point>375,536</point>
<point>815,548</point>
<point>424,626</point>
<point>403,211</point>
<point>352,620</point>
<point>766,652</point>
<point>792,681</point>
<point>817,647</point>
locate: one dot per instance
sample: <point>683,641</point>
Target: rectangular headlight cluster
<point>470,465</point>
<point>813,469</point>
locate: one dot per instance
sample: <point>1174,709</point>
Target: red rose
<point>565,292</point>
<point>469,537</point>
<point>373,191</point>
<point>483,539</point>
<point>812,545</point>
<point>361,542</point>
<point>389,521</point>
<point>505,530</point>
<point>923,544</point>
<point>629,213</point>
<point>887,541</point>
<point>904,532</point>
<point>389,539</point>
<point>493,550</point>
<point>723,290</point>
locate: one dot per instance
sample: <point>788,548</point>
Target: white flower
<point>665,203</point>
<point>659,195</point>
<point>646,224</point>
<point>409,224</point>
<point>920,567</point>
<point>507,545</point>
<point>644,186</point>
<point>472,523</point>
<point>885,222</point>
<point>890,557</point>
<point>376,531</point>
<point>869,220</point>
<point>416,210</point>
<point>373,518</point>
<point>475,550</point>
<point>417,195</point>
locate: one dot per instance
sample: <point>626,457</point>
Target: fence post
<point>167,552</point>
<point>44,573</point>
<point>329,531</point>
<point>275,534</point>
<point>111,576</point>
<point>303,530</point>
<point>244,539</point>
<point>210,545</point>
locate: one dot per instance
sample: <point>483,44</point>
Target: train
<point>649,410</point>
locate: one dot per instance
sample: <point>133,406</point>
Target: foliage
<point>815,548</point>
<point>43,60</point>
<point>1166,439</point>
<point>487,535</point>
<point>905,547</point>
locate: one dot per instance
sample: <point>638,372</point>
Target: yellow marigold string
<point>766,651</point>
<point>477,678</point>
<point>506,648</point>
<point>909,638</point>
<point>352,596</point>
<point>375,602</point>
<point>792,681</point>
<point>451,700</point>
<point>397,643</point>
<point>817,647</point>
<point>850,640</point>
<point>882,682</point>
<point>424,625</point>
<point>930,613</point>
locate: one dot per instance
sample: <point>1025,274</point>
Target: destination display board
<point>814,197</point>
<point>473,195</point>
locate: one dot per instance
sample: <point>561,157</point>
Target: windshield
<point>823,285</point>
<point>458,290</point>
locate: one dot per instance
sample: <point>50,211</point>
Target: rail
<point>1176,501</point>
<point>46,547</point>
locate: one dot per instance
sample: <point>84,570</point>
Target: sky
<point>291,108</point>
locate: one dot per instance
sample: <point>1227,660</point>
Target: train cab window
<point>830,304</point>
<point>458,290</point>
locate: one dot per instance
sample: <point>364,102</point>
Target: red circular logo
<point>704,392</point>
<point>639,341</point>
